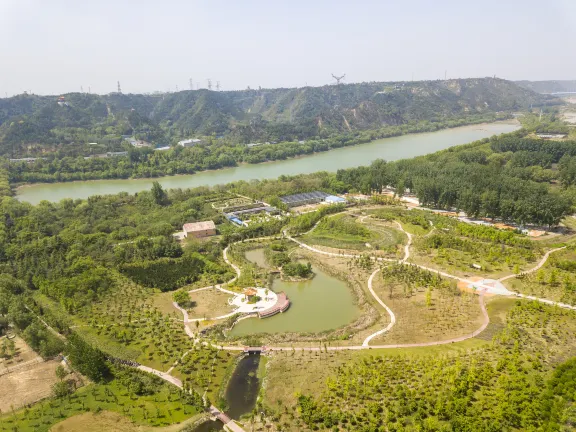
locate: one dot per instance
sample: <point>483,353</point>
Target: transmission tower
<point>209,84</point>
<point>191,84</point>
<point>217,85</point>
<point>338,79</point>
<point>119,89</point>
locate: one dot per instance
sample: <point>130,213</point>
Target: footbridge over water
<point>255,350</point>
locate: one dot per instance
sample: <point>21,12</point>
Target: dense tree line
<point>213,154</point>
<point>169,273</point>
<point>470,178</point>
<point>86,359</point>
<point>72,251</point>
<point>14,312</point>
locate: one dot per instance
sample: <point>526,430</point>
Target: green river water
<point>406,146</point>
<point>322,303</point>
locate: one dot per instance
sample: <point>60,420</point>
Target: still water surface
<point>322,303</point>
<point>406,146</point>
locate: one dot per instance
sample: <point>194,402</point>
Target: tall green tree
<point>158,193</point>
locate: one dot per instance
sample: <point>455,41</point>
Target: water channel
<point>241,392</point>
<point>406,146</point>
<point>322,303</point>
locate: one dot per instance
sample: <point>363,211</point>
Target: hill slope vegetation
<point>31,124</point>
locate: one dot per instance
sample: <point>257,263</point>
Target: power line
<point>338,78</point>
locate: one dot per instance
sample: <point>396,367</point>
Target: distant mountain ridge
<point>39,122</point>
<point>547,87</point>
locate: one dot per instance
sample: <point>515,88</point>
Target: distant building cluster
<point>551,136</point>
<point>315,197</point>
<point>107,155</point>
<point>190,142</point>
<point>236,214</point>
<point>27,160</point>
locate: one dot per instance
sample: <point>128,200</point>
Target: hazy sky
<point>56,46</point>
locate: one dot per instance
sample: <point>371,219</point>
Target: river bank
<point>405,146</point>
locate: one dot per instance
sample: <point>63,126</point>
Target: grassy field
<point>205,369</point>
<point>111,421</point>
<point>166,406</point>
<point>457,254</point>
<point>449,314</point>
<point>209,303</point>
<point>344,232</point>
<point>164,303</point>
<point>555,280</point>
<point>352,382</point>
<point>308,371</point>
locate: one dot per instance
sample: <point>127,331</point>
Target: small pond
<point>257,257</point>
<point>210,426</point>
<point>322,303</point>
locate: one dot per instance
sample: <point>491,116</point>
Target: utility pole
<point>209,84</point>
<point>119,89</point>
<point>191,84</point>
<point>217,85</point>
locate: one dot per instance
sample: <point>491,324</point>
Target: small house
<point>199,229</point>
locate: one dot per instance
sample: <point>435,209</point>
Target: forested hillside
<point>31,125</point>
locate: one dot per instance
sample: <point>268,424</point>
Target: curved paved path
<point>366,343</point>
<point>538,266</point>
<point>392,316</point>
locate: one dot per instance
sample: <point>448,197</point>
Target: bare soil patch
<point>27,385</point>
<point>24,355</point>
